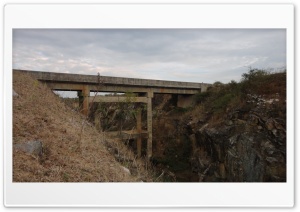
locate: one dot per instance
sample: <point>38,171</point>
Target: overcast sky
<point>194,55</point>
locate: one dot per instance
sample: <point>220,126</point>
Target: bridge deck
<point>113,83</point>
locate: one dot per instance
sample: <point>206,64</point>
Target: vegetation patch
<point>222,98</point>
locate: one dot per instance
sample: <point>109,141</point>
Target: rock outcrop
<point>31,147</point>
<point>245,144</point>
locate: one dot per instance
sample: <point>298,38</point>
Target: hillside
<point>72,149</point>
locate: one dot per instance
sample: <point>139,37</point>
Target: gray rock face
<point>241,153</point>
<point>245,144</point>
<point>31,147</point>
<point>247,165</point>
<point>239,156</point>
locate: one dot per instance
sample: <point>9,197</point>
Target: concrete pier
<point>139,131</point>
<point>86,95</point>
<point>149,124</point>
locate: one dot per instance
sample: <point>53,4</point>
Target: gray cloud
<point>199,55</point>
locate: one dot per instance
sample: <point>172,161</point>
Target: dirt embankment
<point>73,150</point>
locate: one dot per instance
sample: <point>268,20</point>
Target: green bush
<point>222,97</point>
<point>218,84</point>
<point>255,81</point>
<point>254,74</point>
<point>221,102</point>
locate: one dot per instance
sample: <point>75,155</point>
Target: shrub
<point>254,74</point>
<point>217,84</point>
<point>221,102</point>
<point>201,97</point>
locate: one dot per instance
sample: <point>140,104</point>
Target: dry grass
<point>73,149</point>
<point>141,168</point>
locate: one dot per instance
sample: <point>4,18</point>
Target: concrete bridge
<point>143,88</point>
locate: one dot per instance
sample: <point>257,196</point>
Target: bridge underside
<point>119,88</point>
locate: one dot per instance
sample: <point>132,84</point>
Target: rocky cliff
<point>235,133</point>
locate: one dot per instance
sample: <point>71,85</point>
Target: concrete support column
<point>149,123</point>
<point>86,95</point>
<point>85,101</point>
<point>80,99</point>
<point>139,131</point>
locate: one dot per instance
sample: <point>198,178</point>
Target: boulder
<point>127,171</point>
<point>31,147</point>
<point>270,124</point>
<point>15,94</point>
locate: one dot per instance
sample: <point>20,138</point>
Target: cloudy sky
<point>194,55</point>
